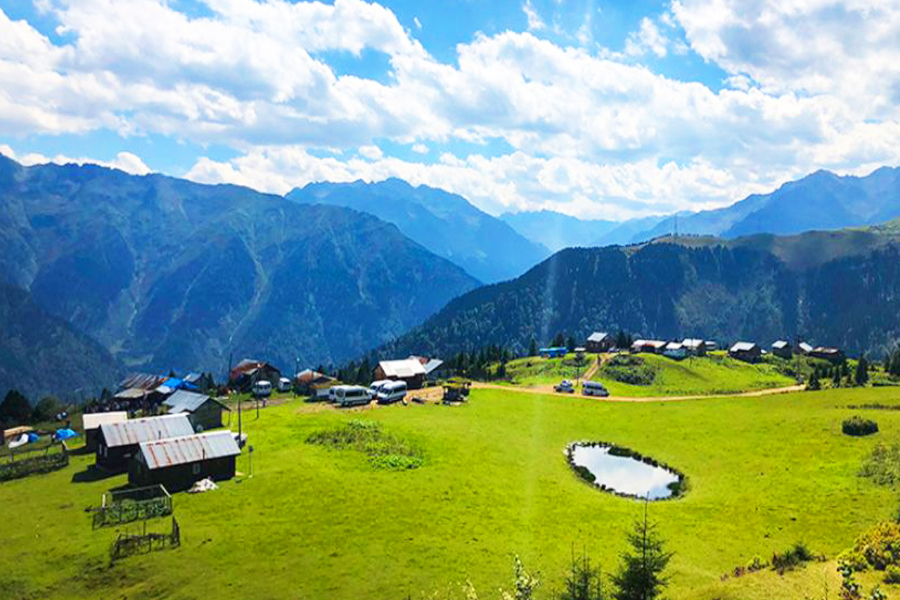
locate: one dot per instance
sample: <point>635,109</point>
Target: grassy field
<point>537,371</point>
<point>713,374</point>
<point>319,523</point>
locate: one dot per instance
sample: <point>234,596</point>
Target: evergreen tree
<point>570,344</point>
<point>559,341</point>
<point>584,582</point>
<point>47,409</point>
<point>640,576</point>
<point>814,383</point>
<point>532,347</point>
<point>836,377</point>
<point>15,408</point>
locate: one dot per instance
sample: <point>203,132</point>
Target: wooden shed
<point>118,442</point>
<point>204,412</point>
<point>782,349</point>
<point>91,423</point>
<point>177,463</point>
<point>745,351</point>
<point>598,342</point>
<point>410,370</point>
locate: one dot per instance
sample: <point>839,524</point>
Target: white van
<point>393,391</point>
<point>284,384</point>
<point>350,395</point>
<point>594,388</point>
<point>376,386</point>
<point>262,389</point>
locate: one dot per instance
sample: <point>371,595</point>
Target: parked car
<point>393,391</point>
<point>594,388</point>
<point>376,386</point>
<point>565,387</point>
<point>351,395</point>
<point>262,389</point>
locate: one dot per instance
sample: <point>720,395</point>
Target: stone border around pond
<point>678,491</point>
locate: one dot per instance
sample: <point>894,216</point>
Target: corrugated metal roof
<point>431,365</point>
<point>780,344</point>
<point>408,367</point>
<point>184,401</point>
<point>144,381</point>
<point>189,449</point>
<point>743,347</point>
<point>94,420</point>
<point>597,336</point>
<point>651,343</point>
<point>136,431</point>
<point>692,343</point>
<point>131,394</point>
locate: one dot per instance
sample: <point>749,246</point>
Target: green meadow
<point>318,523</point>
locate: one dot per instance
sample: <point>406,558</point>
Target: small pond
<point>624,472</point>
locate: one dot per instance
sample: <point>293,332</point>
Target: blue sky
<point>594,108</point>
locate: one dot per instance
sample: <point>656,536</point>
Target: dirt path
<point>548,389</point>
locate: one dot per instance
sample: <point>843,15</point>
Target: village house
<point>249,371</point>
<point>694,347</point>
<point>434,368</point>
<point>745,351</point>
<point>782,349</point>
<point>804,348</point>
<point>675,350</point>
<point>313,383</point>
<point>830,354</point>
<point>177,463</point>
<point>91,423</point>
<point>599,342</point>
<point>648,346</point>
<point>410,370</point>
<point>118,442</point>
<point>202,411</point>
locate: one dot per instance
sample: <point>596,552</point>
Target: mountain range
<point>820,201</point>
<point>168,274</point>
<point>444,223</point>
<point>832,288</point>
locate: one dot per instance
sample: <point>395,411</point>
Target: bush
<point>858,426</point>
<point>883,465</point>
<point>47,409</point>
<point>629,369</point>
<point>892,574</point>
<point>794,556</point>
<point>878,548</point>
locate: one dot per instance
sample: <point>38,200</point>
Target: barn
<point>745,351</point>
<point>598,342</point>
<point>179,462</point>
<point>410,370</point>
<point>782,349</point>
<point>649,346</point>
<point>118,442</point>
<point>249,371</point>
<point>91,423</point>
<point>204,412</point>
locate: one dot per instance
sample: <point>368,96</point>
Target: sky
<point>598,109</point>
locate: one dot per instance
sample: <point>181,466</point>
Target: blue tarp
<point>65,434</point>
<point>174,383</point>
<point>33,437</point>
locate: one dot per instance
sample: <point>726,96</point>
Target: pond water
<point>624,475</point>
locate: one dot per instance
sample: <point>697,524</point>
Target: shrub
<point>858,426</point>
<point>629,369</point>
<point>794,556</point>
<point>878,548</point>
<point>892,574</point>
<point>883,465</point>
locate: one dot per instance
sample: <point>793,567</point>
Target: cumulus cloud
<point>810,84</point>
<point>124,161</point>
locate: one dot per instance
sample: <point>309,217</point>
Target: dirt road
<point>548,389</point>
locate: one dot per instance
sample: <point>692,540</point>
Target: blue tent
<point>64,434</point>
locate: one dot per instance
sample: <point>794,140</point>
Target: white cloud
<point>124,161</point>
<point>371,152</point>
<point>417,22</point>
<point>816,88</point>
<point>535,23</point>
<point>648,38</point>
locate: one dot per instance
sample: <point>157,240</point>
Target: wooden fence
<point>30,462</point>
<point>130,544</point>
<point>127,506</point>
